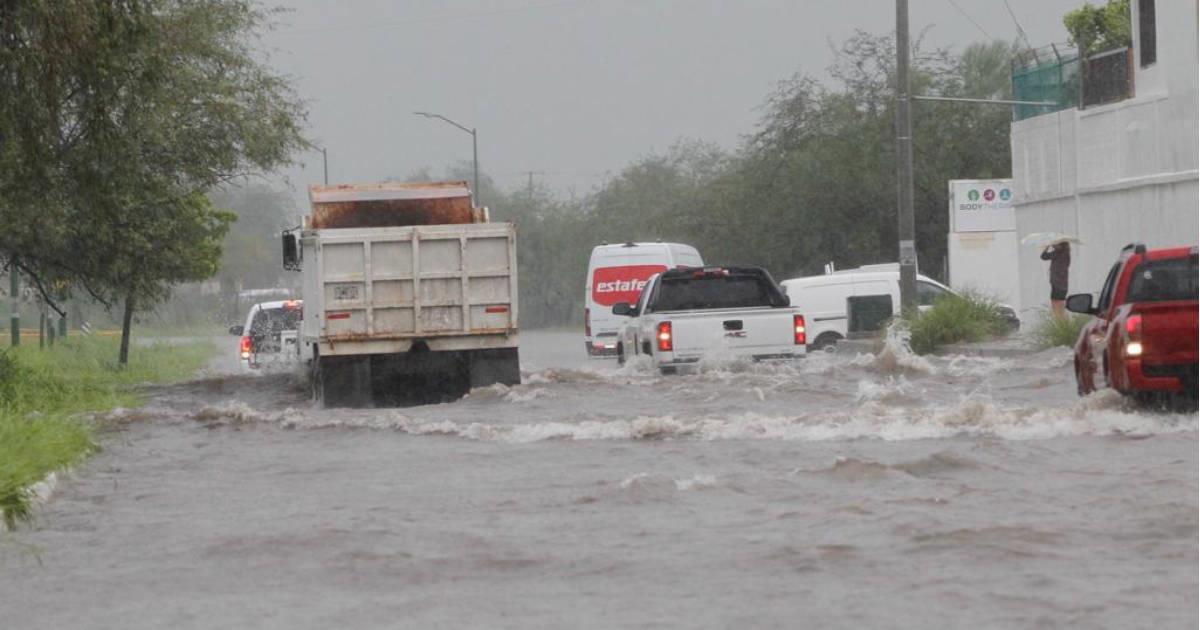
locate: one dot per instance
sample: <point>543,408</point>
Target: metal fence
<point>1047,74</point>
<point>1107,77</point>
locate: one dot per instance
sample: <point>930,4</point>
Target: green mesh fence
<point>1055,80</point>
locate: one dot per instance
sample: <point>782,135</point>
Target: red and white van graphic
<point>611,285</point>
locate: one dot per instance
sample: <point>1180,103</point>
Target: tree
<point>1095,29</point>
<point>115,118</point>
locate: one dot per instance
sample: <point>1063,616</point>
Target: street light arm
<point>441,117</point>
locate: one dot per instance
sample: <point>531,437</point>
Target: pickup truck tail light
<point>1133,335</point>
<point>799,330</point>
<point>244,348</point>
<point>663,336</point>
<point>587,322</point>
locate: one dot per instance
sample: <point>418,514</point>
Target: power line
<point>970,19</point>
<point>1020,31</point>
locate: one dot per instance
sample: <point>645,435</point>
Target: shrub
<point>1052,331</point>
<point>955,319</point>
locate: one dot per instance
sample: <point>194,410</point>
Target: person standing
<point>1059,255</point>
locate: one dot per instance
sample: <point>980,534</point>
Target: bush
<point>956,319</point>
<point>43,391</point>
<point>1052,331</point>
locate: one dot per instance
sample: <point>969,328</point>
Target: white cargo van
<point>823,298</point>
<point>617,273</point>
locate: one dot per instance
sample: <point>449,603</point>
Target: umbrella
<point>1050,238</point>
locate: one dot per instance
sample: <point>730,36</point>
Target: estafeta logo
<point>621,284</point>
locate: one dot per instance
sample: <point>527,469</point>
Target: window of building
<point>1147,33</point>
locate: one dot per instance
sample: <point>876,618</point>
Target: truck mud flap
<point>342,381</point>
<point>492,366</point>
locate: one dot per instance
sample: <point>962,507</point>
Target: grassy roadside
<point>43,392</point>
<point>970,317</point>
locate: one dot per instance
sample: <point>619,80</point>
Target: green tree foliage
<point>116,117</point>
<point>1096,29</point>
<point>250,257</point>
<point>814,183</point>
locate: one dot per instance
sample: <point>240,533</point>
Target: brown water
<point>837,492</point>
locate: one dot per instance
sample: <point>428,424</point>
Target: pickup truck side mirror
<point>236,330</point>
<point>1081,303</point>
<point>624,309</point>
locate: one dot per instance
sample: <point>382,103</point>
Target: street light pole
<point>325,164</point>
<point>904,168</point>
<point>474,150</point>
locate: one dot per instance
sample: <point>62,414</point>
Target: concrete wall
<point>1116,173</point>
<point>987,262</point>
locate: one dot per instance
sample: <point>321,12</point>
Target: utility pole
<point>325,163</point>
<point>904,168</point>
<point>14,291</point>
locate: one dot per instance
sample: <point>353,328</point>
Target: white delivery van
<point>617,273</point>
<point>823,298</point>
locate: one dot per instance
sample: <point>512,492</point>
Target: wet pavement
<point>839,491</point>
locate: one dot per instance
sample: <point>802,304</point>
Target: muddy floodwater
<point>838,491</point>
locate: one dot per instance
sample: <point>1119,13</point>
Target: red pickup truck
<point>1142,340</point>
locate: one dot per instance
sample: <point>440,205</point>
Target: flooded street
<point>839,491</point>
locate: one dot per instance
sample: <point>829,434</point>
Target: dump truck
<point>410,294</point>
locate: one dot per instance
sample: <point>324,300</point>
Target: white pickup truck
<point>684,315</point>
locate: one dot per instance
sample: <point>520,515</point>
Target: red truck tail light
<point>587,322</point>
<point>244,348</point>
<point>663,335</point>
<point>799,330</point>
<point>1133,335</point>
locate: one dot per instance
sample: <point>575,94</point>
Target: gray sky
<point>573,89</point>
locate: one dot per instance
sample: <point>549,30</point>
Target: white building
<point>1115,173</point>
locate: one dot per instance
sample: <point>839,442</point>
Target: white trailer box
<point>407,313</point>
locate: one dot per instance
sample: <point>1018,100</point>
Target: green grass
<point>1051,331</point>
<point>44,391</point>
<point>956,319</point>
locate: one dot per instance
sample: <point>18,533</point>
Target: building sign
<point>981,205</point>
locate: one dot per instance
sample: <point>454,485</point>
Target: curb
<point>41,491</point>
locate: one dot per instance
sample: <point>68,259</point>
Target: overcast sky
<point>574,89</point>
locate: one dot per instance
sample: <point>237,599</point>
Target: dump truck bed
<point>377,290</point>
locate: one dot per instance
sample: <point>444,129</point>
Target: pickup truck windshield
<point>1163,280</point>
<point>713,291</point>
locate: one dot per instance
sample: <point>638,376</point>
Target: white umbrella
<point>1050,238</point>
